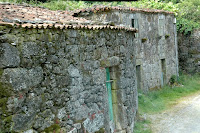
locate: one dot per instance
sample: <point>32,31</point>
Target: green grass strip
<point>162,99</point>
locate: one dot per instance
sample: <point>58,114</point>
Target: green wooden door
<point>108,85</point>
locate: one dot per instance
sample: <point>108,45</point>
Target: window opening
<point>163,72</point>
<point>138,76</point>
<point>134,24</point>
<point>161,25</point>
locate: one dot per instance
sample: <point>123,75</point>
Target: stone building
<point>189,52</point>
<point>156,47</point>
<point>64,73</point>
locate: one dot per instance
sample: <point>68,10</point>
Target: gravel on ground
<point>184,117</point>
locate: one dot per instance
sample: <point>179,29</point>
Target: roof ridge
<point>67,26</point>
<point>103,8</point>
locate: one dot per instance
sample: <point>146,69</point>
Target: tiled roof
<point>29,14</point>
<point>65,26</point>
<point>36,17</point>
<point>101,8</point>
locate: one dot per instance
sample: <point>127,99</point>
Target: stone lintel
<point>110,62</point>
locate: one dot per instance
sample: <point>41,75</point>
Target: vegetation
<point>53,129</point>
<point>156,101</point>
<point>142,126</point>
<point>186,11</point>
<point>162,99</point>
<point>6,117</point>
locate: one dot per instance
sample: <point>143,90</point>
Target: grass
<point>162,99</point>
<point>159,100</point>
<point>142,126</point>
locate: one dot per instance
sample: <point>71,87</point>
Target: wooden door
<point>108,85</point>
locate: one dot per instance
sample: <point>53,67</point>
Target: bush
<point>173,79</point>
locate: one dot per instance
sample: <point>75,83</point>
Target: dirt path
<point>184,117</point>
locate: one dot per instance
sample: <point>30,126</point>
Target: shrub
<point>173,79</point>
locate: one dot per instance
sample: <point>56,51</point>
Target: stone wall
<point>189,52</point>
<point>55,80</point>
<point>155,42</point>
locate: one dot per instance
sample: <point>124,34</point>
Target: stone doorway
<point>109,90</point>
<point>116,112</point>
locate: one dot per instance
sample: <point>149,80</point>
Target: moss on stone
<point>55,128</point>
<point>49,37</point>
<point>3,28</point>
<point>5,93</point>
<point>167,36</point>
<point>197,60</point>
<point>193,51</point>
<point>43,97</point>
<point>102,130</point>
<point>104,63</point>
<point>8,119</point>
<point>3,108</point>
<point>1,72</point>
<point>144,40</point>
<point>5,89</point>
<point>79,121</point>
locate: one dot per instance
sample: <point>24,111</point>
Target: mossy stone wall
<point>53,79</point>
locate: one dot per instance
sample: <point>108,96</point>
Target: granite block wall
<point>155,43</point>
<point>55,80</point>
<point>189,52</point>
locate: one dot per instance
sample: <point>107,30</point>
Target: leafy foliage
<point>186,26</point>
<point>188,16</point>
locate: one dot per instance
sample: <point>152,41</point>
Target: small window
<point>134,24</point>
<point>161,26</point>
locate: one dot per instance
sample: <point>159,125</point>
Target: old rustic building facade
<point>61,72</point>
<point>156,44</point>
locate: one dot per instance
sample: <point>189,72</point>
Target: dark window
<point>134,24</point>
<point>163,72</point>
<point>138,76</point>
<point>133,21</point>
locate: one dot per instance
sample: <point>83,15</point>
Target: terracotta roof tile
<point>65,26</point>
<point>12,12</point>
<point>35,17</point>
<point>101,8</point>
